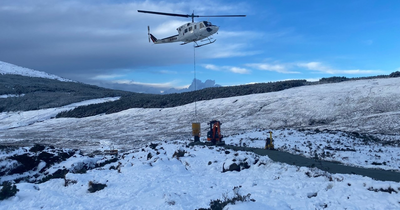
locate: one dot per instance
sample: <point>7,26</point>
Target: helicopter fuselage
<point>190,32</point>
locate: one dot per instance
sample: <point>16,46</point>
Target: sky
<point>104,42</point>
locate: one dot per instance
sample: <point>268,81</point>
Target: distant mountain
<point>8,68</point>
<point>196,85</point>
<point>137,88</point>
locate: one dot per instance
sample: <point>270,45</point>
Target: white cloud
<point>280,68</point>
<point>211,67</point>
<point>287,68</point>
<point>107,76</point>
<point>168,72</point>
<point>317,66</point>
<point>228,50</point>
<point>233,69</point>
<point>238,70</point>
<point>167,28</point>
<point>242,34</point>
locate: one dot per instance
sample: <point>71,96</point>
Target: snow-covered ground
<point>367,151</point>
<point>11,95</point>
<point>10,120</point>
<point>149,177</point>
<point>365,106</point>
<point>8,68</point>
<point>155,178</point>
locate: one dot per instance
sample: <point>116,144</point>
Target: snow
<point>366,106</point>
<point>11,95</point>
<point>7,68</point>
<point>297,118</point>
<point>192,181</point>
<point>331,146</point>
<point>10,120</point>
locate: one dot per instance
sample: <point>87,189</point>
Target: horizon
<point>105,42</point>
<point>194,86</point>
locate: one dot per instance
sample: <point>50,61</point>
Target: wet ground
<point>328,166</point>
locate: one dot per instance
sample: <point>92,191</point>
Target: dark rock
<point>94,187</point>
<point>149,156</point>
<point>234,167</point>
<point>179,153</point>
<point>60,173</point>
<point>37,148</point>
<point>27,163</point>
<point>8,190</point>
<point>310,195</point>
<point>153,146</point>
<point>48,158</point>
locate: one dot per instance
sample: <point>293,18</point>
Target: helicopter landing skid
<point>209,42</point>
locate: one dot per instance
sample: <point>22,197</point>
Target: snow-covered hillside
<point>366,106</point>
<point>169,174</point>
<point>7,68</point>
<point>10,120</point>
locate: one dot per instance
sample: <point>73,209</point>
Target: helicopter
<point>189,32</point>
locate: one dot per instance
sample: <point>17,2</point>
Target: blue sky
<point>105,42</point>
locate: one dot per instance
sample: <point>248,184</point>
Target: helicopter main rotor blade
<point>164,13</point>
<point>187,16</point>
<point>221,16</point>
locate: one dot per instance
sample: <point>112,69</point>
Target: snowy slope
<point>11,95</point>
<point>146,177</point>
<point>7,68</point>
<point>366,106</point>
<point>10,120</point>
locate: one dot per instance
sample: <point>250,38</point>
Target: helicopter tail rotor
<point>148,32</point>
<point>151,37</point>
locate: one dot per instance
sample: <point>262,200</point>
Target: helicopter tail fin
<point>153,38</point>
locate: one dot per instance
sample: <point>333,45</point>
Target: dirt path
<point>331,167</point>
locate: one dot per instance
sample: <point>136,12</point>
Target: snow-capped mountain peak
<point>7,68</point>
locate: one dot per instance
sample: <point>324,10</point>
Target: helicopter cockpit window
<point>185,30</point>
<point>207,23</point>
<point>190,28</point>
<point>201,25</point>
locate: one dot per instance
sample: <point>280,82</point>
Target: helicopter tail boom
<point>161,41</point>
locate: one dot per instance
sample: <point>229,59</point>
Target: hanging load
<point>196,131</point>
